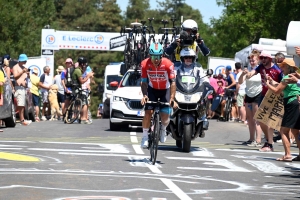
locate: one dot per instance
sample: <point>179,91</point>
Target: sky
<point>208,8</point>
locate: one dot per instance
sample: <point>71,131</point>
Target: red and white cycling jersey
<point>158,76</point>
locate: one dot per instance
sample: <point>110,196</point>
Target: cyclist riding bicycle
<point>78,80</point>
<point>158,82</point>
<point>189,37</point>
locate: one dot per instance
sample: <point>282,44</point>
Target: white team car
<point>125,103</point>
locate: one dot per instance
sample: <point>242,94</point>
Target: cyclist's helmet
<point>187,52</point>
<point>156,49</point>
<point>100,105</point>
<point>190,24</point>
<point>82,60</point>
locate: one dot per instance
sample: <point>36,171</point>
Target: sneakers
<point>144,143</point>
<point>26,122</point>
<point>85,122</point>
<point>254,144</point>
<point>37,119</point>
<point>247,142</point>
<point>44,118</point>
<point>266,148</point>
<point>163,136</point>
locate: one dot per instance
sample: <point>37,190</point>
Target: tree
<point>136,11</point>
<point>21,25</point>
<point>244,21</point>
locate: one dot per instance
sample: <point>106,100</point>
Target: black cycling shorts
<point>162,95</point>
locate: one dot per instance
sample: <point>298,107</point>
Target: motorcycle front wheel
<point>187,138</point>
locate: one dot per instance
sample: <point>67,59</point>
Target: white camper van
<point>111,74</point>
<point>273,46</point>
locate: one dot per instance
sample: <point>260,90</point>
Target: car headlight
<point>116,98</point>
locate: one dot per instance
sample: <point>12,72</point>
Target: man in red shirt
<point>158,81</point>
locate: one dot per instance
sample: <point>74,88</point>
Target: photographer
<point>189,37</point>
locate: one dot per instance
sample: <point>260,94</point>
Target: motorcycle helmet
<point>187,52</point>
<point>190,24</point>
<point>82,60</point>
<point>156,49</point>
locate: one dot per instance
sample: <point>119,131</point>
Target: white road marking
<point>134,139</point>
<point>267,167</point>
<point>137,148</point>
<point>202,152</point>
<point>76,150</point>
<point>153,168</point>
<point>94,154</point>
<point>132,133</point>
<point>229,166</point>
<point>175,189</point>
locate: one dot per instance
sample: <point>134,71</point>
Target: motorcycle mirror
<point>209,72</point>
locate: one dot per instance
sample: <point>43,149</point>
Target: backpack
<point>68,77</point>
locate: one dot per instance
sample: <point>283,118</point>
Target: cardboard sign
<point>270,111</point>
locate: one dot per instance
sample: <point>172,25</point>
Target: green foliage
<point>243,22</point>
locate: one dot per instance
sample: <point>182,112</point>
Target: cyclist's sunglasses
<point>188,57</point>
<point>155,57</point>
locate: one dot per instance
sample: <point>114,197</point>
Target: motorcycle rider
<point>158,81</point>
<point>189,67</point>
<point>189,37</point>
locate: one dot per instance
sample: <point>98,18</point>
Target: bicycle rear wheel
<point>154,139</point>
<point>73,111</point>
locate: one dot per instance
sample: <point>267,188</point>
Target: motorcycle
<point>188,121</point>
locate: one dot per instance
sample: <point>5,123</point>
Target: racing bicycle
<point>155,130</point>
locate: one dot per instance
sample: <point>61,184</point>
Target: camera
<point>186,39</point>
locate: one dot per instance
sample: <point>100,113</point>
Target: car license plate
<point>140,113</point>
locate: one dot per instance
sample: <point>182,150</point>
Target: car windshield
<point>111,78</point>
<point>132,79</point>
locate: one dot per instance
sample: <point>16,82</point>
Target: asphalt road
<point>54,161</point>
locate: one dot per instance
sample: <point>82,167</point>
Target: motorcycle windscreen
<point>187,83</point>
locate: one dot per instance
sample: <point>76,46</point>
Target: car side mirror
<point>209,72</point>
<point>114,84</point>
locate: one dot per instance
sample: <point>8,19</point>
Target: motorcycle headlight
<point>116,98</point>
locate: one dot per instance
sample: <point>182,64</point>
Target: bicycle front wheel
<point>155,138</point>
<point>73,111</point>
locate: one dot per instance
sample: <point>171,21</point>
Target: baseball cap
<point>288,61</point>
<point>69,60</point>
<point>228,67</point>
<point>265,54</point>
<point>23,58</point>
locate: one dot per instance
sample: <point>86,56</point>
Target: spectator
<point>214,84</point>
<point>79,80</point>
<point>2,80</point>
<point>86,86</point>
<point>6,68</point>
<point>240,88</point>
<point>68,90</point>
<point>279,57</point>
<point>265,69</point>
<point>45,82</point>
<point>253,92</point>
<point>100,111</point>
<point>35,80</point>
<point>61,89</point>
<point>231,85</point>
<point>21,74</point>
<point>220,89</point>
<point>291,106</point>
